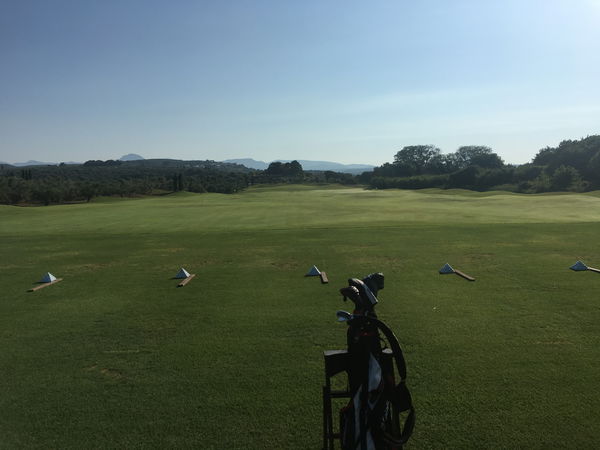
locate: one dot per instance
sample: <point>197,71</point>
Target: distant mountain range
<point>34,163</point>
<point>31,162</point>
<point>306,165</point>
<point>247,162</point>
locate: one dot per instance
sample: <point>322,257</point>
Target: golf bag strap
<point>402,396</point>
<point>405,434</point>
<point>396,349</point>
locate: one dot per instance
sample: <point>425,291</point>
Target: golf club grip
<point>464,275</point>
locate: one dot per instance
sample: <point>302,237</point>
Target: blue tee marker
<point>579,266</point>
<point>447,269</point>
<point>313,272</point>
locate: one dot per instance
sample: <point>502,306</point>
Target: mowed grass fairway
<point>115,356</point>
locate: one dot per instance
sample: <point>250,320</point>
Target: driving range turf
<point>115,356</point>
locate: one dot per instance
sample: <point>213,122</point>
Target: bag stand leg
<point>336,361</point>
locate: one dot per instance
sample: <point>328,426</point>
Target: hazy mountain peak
<point>31,162</point>
<point>131,157</point>
<point>306,165</point>
<point>249,162</point>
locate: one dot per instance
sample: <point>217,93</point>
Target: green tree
<point>465,178</point>
<point>289,169</point>
<point>594,170</point>
<point>566,178</point>
<point>275,168</point>
<point>577,154</point>
<point>477,155</point>
<point>295,168</point>
<point>415,158</point>
<point>541,183</point>
<point>89,190</point>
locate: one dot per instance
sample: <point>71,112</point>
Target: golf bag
<point>372,419</point>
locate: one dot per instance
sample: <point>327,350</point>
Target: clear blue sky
<point>344,81</point>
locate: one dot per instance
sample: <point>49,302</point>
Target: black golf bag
<point>380,415</point>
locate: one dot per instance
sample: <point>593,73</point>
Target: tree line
<point>64,183</point>
<point>574,165</point>
<point>82,182</point>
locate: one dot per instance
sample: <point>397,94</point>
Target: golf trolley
<point>379,414</point>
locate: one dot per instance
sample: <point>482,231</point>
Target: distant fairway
<point>115,356</point>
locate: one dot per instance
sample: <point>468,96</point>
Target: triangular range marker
<point>313,272</point>
<point>446,269</point>
<point>48,278</point>
<point>578,266</point>
<point>182,273</point>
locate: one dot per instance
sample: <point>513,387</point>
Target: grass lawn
<point>115,356</point>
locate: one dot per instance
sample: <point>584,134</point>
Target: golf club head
<point>352,293</point>
<point>367,299</point>
<point>578,266</point>
<point>375,282</point>
<point>343,316</point>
